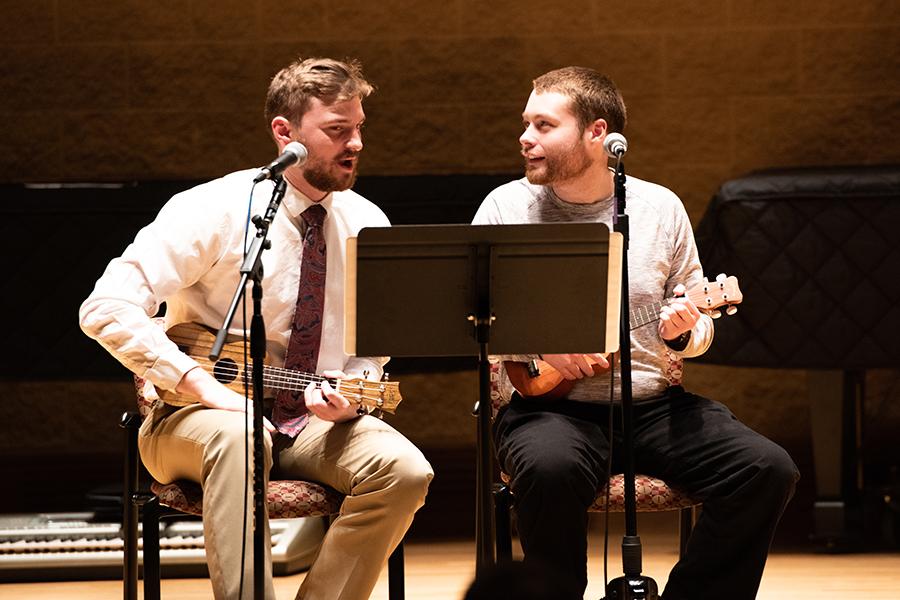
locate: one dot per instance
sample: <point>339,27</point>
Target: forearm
<point>203,387</point>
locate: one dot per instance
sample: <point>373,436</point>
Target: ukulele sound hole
<point>225,371</point>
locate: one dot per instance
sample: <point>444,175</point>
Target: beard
<point>556,168</point>
<point>323,176</point>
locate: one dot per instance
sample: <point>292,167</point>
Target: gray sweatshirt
<point>662,253</point>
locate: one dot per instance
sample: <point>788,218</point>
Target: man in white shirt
<point>189,257</point>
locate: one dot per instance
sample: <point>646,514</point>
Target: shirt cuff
<point>680,343</point>
<point>169,369</point>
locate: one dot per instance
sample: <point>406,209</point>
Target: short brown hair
<point>593,95</point>
<point>327,79</point>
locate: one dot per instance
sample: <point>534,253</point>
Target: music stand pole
<point>632,585</point>
<point>482,320</point>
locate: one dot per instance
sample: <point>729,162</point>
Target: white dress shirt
<point>190,256</point>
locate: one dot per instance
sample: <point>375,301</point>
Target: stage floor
<point>443,570</point>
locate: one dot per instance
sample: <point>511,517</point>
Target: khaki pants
<point>383,475</point>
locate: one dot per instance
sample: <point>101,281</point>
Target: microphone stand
<point>632,585</point>
<point>252,268</point>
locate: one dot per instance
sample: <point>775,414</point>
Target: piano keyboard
<point>61,546</point>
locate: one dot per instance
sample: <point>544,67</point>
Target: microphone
<point>615,145</point>
<point>293,153</point>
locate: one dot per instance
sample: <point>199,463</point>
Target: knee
<point>778,473</point>
<point>549,474</point>
<point>410,474</point>
<point>415,471</point>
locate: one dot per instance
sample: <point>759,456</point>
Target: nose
<point>355,142</point>
<point>526,139</point>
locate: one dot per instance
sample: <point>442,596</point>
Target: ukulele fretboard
<point>645,314</point>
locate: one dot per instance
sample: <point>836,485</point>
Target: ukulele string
<point>279,378</point>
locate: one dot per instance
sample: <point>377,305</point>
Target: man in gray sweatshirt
<point>556,452</point>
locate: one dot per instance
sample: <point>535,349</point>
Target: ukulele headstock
<point>710,296</point>
<point>384,395</point>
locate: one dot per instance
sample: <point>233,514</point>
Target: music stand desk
<point>465,290</point>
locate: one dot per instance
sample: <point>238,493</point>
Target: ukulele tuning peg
<point>721,277</point>
<point>386,376</point>
<point>731,310</point>
<point>715,314</point>
<point>366,374</point>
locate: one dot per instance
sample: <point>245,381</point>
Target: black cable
<point>246,407</point>
<point>246,345</point>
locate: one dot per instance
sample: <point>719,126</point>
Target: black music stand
<point>456,290</point>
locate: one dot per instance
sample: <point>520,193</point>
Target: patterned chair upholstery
<point>285,499</point>
<point>651,494</point>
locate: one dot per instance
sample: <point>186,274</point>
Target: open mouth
<point>347,163</point>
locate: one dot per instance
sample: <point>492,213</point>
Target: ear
<point>597,130</point>
<point>282,131</point>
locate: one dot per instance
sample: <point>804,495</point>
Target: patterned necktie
<point>289,415</point>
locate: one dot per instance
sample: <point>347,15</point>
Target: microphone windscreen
<point>297,149</point>
<point>615,145</point>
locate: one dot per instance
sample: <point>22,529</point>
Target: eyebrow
<point>539,116</point>
<point>341,121</point>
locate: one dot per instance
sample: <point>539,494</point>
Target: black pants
<point>557,452</point>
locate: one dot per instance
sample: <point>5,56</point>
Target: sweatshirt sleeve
<point>686,269</point>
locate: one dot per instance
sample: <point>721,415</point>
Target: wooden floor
<point>443,570</point>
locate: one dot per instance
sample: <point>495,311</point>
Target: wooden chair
<point>285,498</point>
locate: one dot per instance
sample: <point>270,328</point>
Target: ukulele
<point>196,341</point>
<point>538,380</point>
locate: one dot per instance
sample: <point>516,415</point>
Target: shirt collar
<point>295,202</point>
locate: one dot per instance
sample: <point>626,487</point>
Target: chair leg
<point>502,528</point>
<point>130,422</point>
<point>151,549</point>
<point>685,525</point>
<point>396,575</point>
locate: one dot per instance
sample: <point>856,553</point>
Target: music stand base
<point>632,585</point>
<point>636,587</point>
